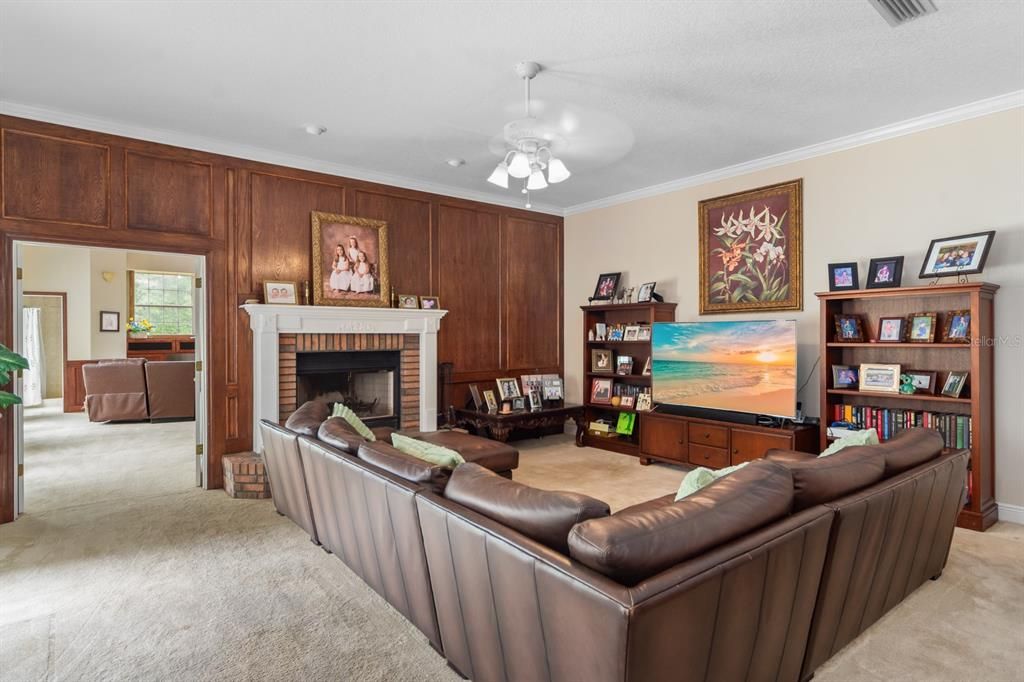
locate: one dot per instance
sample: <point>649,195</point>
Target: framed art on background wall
<point>350,261</point>
<point>751,250</point>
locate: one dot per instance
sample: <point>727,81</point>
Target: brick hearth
<point>407,344</point>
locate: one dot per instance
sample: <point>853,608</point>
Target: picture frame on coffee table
<point>508,388</point>
<point>491,401</point>
<point>474,393</point>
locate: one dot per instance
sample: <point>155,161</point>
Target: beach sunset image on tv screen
<point>739,366</point>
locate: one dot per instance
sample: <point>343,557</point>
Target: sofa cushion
<point>307,419</point>
<point>491,454</point>
<point>543,515</point>
<point>430,452</point>
<point>911,448</point>
<point>702,477</point>
<point>346,413</point>
<point>824,479</point>
<point>406,467</point>
<point>642,541</point>
<point>339,433</point>
<point>862,437</point>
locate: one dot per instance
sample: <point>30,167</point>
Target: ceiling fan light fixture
<point>520,166</point>
<point>499,176</point>
<point>557,172</point>
<point>536,180</point>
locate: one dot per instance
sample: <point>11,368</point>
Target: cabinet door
<point>663,437</point>
<point>748,445</point>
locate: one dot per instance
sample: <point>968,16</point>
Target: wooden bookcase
<point>977,398</point>
<point>626,314</point>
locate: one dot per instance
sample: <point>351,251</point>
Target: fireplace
<point>368,382</point>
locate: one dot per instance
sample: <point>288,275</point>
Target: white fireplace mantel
<point>268,321</point>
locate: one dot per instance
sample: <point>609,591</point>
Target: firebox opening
<point>366,381</point>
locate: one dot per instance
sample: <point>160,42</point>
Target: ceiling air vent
<point>899,12</point>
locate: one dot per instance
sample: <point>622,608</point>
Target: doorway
<point>115,401</point>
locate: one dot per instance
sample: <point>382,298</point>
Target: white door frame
<point>201,323</point>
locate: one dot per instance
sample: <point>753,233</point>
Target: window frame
<point>131,300</point>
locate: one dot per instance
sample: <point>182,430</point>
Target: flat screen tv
<point>735,366</point>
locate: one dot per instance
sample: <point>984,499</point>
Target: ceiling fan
<point>529,147</point>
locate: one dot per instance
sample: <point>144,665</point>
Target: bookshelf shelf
<point>619,314</point>
<point>900,396</point>
<point>975,406</point>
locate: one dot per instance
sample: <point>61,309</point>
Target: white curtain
<point>33,378</point>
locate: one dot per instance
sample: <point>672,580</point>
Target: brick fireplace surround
<point>282,331</point>
<point>408,346</point>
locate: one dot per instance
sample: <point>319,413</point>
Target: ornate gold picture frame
<point>350,261</point>
<point>751,250</point>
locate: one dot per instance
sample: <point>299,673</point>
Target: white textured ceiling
<point>687,87</point>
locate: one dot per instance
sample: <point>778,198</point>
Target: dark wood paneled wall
<point>497,270</point>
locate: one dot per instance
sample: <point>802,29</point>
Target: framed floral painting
<point>751,250</point>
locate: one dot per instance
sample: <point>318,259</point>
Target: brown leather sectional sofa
<point>134,389</point>
<point>765,574</point>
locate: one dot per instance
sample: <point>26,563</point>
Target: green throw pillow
<point>701,477</point>
<point>355,422</point>
<point>865,437</point>
<point>428,452</point>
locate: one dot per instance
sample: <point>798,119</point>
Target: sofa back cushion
<point>639,542</point>
<point>911,448</point>
<point>406,467</point>
<point>824,479</point>
<point>306,420</point>
<point>339,433</point>
<point>543,515</point>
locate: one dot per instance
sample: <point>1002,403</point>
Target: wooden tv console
<point>717,444</point>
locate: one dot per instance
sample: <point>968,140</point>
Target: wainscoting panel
<point>168,195</point>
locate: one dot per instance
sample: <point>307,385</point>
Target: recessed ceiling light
<point>316,130</point>
<point>455,163</point>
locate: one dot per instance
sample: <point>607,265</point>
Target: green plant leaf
<point>11,360</point>
<point>8,399</point>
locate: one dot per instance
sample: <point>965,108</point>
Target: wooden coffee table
<point>499,426</point>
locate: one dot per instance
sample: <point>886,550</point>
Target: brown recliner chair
<point>115,390</point>
<point>170,387</point>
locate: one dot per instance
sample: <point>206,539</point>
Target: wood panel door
<point>469,284</point>
<point>747,445</point>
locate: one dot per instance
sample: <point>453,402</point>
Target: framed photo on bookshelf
<point>844,376</point>
<point>624,365</point>
<point>963,255</point>
<point>876,378</point>
<point>601,391</point>
<point>643,402</point>
<point>632,333</point>
<point>922,328</point>
<point>849,328</point>
<point>627,401</point>
<point>607,285</point>
<point>646,292</point>
<point>958,327</point>
<point>923,381</point>
<point>892,329</point>
<point>955,384</point>
<point>647,367</point>
<point>843,277</point>
<point>601,361</point>
<point>885,273</point>
<point>645,333</point>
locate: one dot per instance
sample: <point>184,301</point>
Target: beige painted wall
<point>112,296</point>
<point>887,198</point>
<point>49,268</point>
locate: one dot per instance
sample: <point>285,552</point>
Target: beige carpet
<point>121,569</point>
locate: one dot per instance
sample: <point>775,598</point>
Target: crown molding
<point>956,114</point>
<point>242,151</point>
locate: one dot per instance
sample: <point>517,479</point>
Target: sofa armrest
<point>788,456</point>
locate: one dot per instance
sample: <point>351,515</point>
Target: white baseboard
<point>1010,512</point>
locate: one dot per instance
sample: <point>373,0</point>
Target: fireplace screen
<point>366,381</point>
